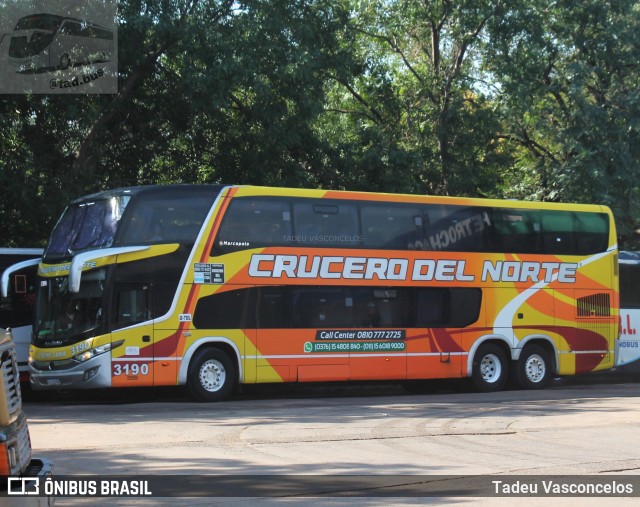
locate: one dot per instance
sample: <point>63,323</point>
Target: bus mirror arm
<point>79,262</point>
<point>12,269</point>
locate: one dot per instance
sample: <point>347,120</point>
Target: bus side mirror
<point>12,269</point>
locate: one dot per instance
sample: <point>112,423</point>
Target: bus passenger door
<point>276,344</point>
<point>169,333</point>
<point>133,362</point>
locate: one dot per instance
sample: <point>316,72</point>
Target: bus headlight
<point>89,354</point>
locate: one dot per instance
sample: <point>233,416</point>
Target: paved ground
<point>577,427</point>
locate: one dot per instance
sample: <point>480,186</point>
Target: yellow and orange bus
<point>211,286</point>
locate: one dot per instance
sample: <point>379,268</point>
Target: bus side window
<point>224,310</point>
<point>592,230</point>
<point>391,227</point>
<point>459,229</point>
<point>249,223</point>
<point>274,308</point>
<point>133,305</point>
<point>557,232</point>
<point>322,307</point>
<point>447,307</point>
<point>515,231</point>
<point>326,224</point>
<point>432,310</point>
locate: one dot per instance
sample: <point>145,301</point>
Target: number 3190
<point>130,369</point>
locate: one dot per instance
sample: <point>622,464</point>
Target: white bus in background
<point>629,345</point>
<point>18,277</point>
<point>49,42</point>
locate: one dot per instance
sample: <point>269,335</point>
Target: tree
<point>210,91</point>
<point>418,106</point>
<point>568,73</point>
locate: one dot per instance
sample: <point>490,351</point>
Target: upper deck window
<point>289,221</point>
<point>391,226</point>
<point>252,223</point>
<point>326,224</point>
<point>86,225</point>
<point>165,218</point>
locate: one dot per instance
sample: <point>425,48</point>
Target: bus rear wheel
<point>533,369</point>
<point>489,368</point>
<point>211,376</point>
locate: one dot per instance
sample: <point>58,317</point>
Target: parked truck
<point>16,462</point>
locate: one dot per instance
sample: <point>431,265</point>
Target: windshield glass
<point>40,21</point>
<point>62,317</point>
<point>85,226</point>
<point>34,34</point>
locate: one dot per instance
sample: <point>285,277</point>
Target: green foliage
<point>569,92</point>
<point>418,122</point>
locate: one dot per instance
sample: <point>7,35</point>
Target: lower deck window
<point>303,307</point>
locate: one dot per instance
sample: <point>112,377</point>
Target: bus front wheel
<point>489,368</point>
<point>65,62</point>
<point>211,376</point>
<point>533,368</point>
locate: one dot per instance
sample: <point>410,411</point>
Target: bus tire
<point>211,375</point>
<point>533,369</point>
<point>65,62</point>
<point>489,370</point>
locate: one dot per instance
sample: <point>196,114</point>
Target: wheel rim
<point>535,368</point>
<point>490,368</point>
<point>212,375</point>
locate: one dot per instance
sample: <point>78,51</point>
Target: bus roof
<point>21,251</point>
<point>628,257</point>
<point>250,190</point>
<point>46,21</point>
<point>253,190</point>
<point>146,189</point>
<point>11,256</point>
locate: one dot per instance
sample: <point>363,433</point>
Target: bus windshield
<point>86,225</point>
<point>35,33</point>
<point>40,22</point>
<point>63,317</point>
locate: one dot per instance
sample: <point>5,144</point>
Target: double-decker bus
<point>49,41</point>
<point>18,273</point>
<point>629,345</point>
<point>210,286</point>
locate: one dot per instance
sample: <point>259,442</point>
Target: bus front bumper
<point>92,374</point>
